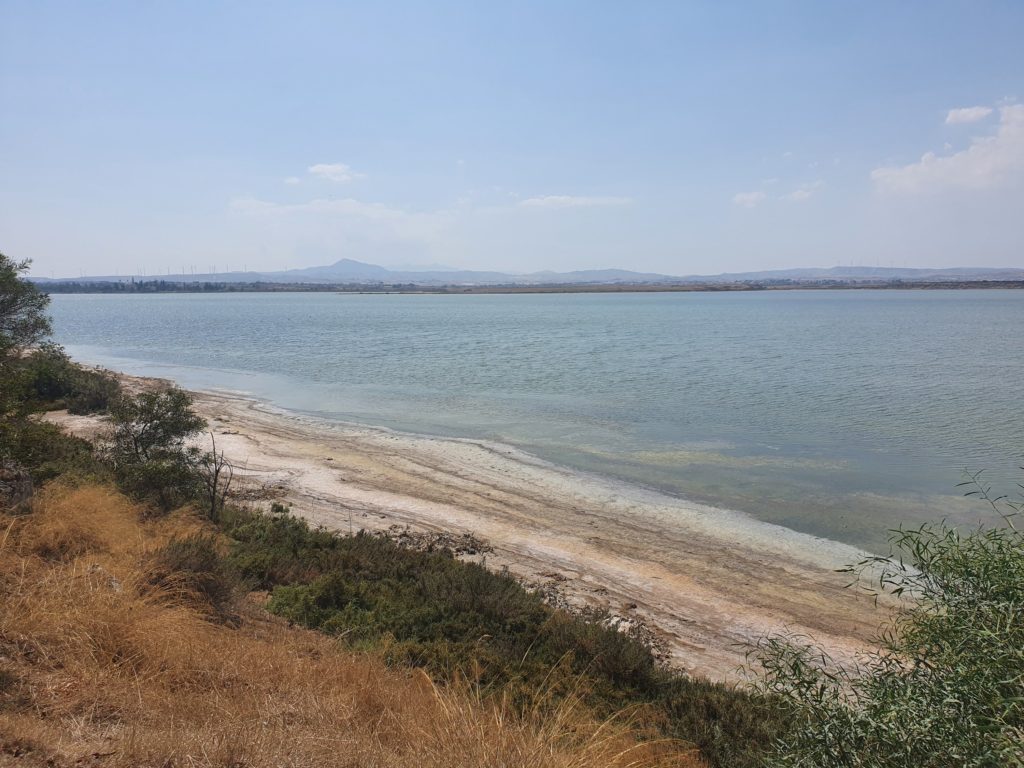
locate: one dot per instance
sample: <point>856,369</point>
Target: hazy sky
<point>675,137</point>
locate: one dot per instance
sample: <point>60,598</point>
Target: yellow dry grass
<point>99,668</point>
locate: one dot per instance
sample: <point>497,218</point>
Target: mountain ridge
<point>350,271</point>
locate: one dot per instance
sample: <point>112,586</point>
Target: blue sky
<point>673,137</point>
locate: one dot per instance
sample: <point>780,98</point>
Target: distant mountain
<point>346,269</point>
<point>349,271</point>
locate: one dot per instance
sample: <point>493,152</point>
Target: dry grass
<point>99,667</point>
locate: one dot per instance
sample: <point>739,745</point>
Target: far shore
<point>706,582</point>
<point>143,287</point>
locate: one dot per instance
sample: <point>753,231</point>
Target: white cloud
<point>804,192</point>
<point>292,180</point>
<point>749,199</point>
<point>337,172</point>
<point>571,201</point>
<point>988,162</point>
<point>967,115</point>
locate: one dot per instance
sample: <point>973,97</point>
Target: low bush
<point>946,685</point>
<point>47,451</point>
<point>52,381</point>
<point>461,620</point>
<point>94,392</point>
<point>167,480</point>
<point>46,379</point>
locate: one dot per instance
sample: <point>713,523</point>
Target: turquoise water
<point>839,413</point>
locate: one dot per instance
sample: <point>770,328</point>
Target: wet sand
<point>707,582</point>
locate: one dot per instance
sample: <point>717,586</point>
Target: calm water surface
<point>837,413</point>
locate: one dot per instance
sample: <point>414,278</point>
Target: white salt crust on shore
<point>708,582</point>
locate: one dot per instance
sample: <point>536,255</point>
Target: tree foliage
<point>23,323</point>
<point>23,318</point>
<point>52,381</point>
<point>147,446</point>
<point>946,685</point>
<point>153,423</point>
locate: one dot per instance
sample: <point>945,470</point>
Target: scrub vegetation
<point>123,643</point>
<point>148,619</point>
<point>946,685</point>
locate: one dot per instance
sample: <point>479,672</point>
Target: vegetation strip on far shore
<point>174,286</point>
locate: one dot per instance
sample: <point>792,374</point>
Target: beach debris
<point>249,489</point>
<point>557,590</point>
<point>550,592</point>
<point>460,545</point>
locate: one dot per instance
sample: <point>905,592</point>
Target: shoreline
<point>706,582</point>
<point>157,286</point>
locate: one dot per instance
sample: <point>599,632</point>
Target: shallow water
<point>839,413</point>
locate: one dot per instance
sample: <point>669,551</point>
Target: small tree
<point>23,319</point>
<point>23,323</point>
<point>216,474</point>
<point>148,449</point>
<point>946,687</point>
<point>152,423</point>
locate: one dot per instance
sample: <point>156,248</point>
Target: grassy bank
<point>457,620</point>
<point>128,577</point>
<point>117,649</point>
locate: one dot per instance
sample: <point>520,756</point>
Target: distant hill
<point>349,271</point>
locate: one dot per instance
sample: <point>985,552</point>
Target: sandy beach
<point>706,582</point>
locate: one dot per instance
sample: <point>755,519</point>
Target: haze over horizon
<point>694,140</point>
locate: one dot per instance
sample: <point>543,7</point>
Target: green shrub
<point>53,381</point>
<point>168,479</point>
<point>946,685</point>
<point>93,392</point>
<point>47,451</point>
<point>152,423</point>
<point>459,619</point>
<point>147,448</point>
<point>49,374</point>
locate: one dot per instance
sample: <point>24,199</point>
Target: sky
<point>682,138</point>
